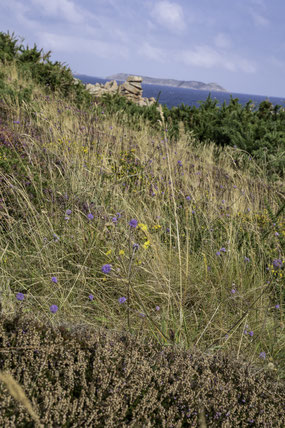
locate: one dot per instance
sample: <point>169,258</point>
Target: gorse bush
<point>259,133</point>
<point>36,65</point>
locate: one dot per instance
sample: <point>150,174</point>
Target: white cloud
<point>169,15</point>
<point>151,52</point>
<point>61,8</point>
<point>277,62</point>
<point>259,20</point>
<point>200,56</point>
<point>246,66</point>
<point>206,57</point>
<point>222,41</point>
<point>258,10</point>
<point>73,44</point>
<point>259,3</point>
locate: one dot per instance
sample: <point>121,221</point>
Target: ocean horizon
<point>173,97</point>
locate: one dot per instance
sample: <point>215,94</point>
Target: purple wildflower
<point>262,355</point>
<point>20,296</point>
<point>122,299</point>
<point>277,263</point>
<point>68,212</point>
<point>106,268</point>
<point>54,279</point>
<point>90,216</point>
<point>91,297</point>
<point>53,308</point>
<point>133,223</point>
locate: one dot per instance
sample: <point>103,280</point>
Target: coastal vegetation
<point>141,256</point>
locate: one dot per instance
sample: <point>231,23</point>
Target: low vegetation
<point>136,250</point>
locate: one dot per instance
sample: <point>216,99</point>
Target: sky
<point>238,44</point>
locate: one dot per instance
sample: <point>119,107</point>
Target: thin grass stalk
<point>176,221</point>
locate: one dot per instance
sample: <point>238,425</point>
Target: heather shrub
<point>84,377</point>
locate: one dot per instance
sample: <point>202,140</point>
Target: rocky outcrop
<point>130,89</point>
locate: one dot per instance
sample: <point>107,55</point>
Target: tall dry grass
<point>205,270</point>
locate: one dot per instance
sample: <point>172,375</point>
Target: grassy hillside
<point>109,220</point>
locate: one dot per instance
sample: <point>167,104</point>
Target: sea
<point>173,97</point>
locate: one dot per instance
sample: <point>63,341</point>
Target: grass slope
<point>114,226</point>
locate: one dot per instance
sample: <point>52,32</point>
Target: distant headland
<point>190,84</point>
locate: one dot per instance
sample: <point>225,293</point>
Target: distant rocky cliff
<point>191,84</point>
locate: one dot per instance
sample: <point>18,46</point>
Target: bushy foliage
<point>8,47</point>
<point>33,63</point>
<point>260,132</point>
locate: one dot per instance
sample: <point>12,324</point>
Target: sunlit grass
<point>117,227</point>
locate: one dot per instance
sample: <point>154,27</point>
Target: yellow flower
<point>121,252</point>
<point>143,227</point>
<point>108,252</point>
<point>146,245</point>
<point>157,226</point>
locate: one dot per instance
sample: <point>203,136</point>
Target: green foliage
<point>259,133</point>
<point>8,47</point>
<point>33,63</point>
<point>13,93</point>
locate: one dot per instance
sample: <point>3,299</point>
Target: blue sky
<point>239,44</point>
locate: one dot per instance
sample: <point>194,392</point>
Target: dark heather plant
<point>85,377</point>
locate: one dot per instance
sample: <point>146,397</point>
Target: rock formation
<point>130,89</point>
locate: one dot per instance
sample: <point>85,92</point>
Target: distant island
<point>190,84</point>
